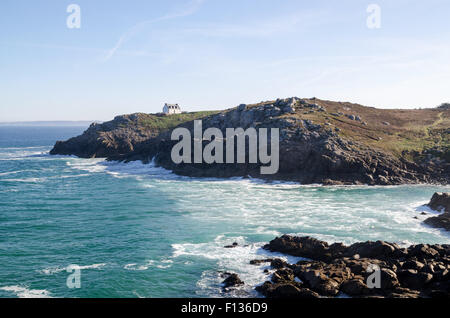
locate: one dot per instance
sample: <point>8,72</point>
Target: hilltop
<point>320,141</point>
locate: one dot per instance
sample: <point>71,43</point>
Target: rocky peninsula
<point>320,142</point>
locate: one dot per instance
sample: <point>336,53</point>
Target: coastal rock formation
<point>367,269</point>
<point>231,280</point>
<point>103,140</point>
<point>121,135</point>
<point>320,142</point>
<point>440,202</point>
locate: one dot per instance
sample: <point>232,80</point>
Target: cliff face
<point>320,142</point>
<point>119,136</point>
<point>102,140</point>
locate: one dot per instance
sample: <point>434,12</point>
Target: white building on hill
<point>170,109</point>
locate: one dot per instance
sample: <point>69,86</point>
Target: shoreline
<point>248,177</point>
<point>362,270</point>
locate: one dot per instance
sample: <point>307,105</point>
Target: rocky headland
<point>336,270</point>
<point>121,135</point>
<point>320,142</point>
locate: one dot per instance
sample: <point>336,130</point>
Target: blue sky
<point>133,56</point>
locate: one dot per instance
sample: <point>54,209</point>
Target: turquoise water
<point>139,231</point>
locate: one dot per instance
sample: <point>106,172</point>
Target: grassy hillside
<point>153,124</point>
<point>399,132</point>
<point>162,123</point>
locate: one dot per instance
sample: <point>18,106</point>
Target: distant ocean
<point>139,231</point>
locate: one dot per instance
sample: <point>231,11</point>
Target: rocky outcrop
<point>109,139</point>
<point>120,137</point>
<point>231,280</point>
<point>440,202</point>
<point>311,150</point>
<point>367,269</point>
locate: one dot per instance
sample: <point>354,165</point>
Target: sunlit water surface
<point>139,231</point>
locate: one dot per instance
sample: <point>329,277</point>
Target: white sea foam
<point>136,267</point>
<point>26,153</point>
<point>22,148</point>
<point>236,260</point>
<point>162,264</point>
<point>266,230</point>
<point>14,172</point>
<point>59,269</point>
<point>89,165</point>
<point>25,292</point>
<point>73,176</point>
<point>25,180</point>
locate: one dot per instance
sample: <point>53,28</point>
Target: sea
<point>137,230</point>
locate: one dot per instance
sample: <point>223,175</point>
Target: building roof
<point>172,105</point>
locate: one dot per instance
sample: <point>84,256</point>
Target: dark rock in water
<point>300,246</point>
<point>286,291</point>
<point>278,263</point>
<point>388,279</point>
<point>369,249</point>
<point>355,287</point>
<point>413,279</point>
<point>261,261</point>
<point>232,245</point>
<point>321,277</point>
<point>441,221</point>
<point>366,269</point>
<point>412,264</point>
<point>439,202</point>
<point>402,292</point>
<point>265,288</point>
<point>232,280</point>
<point>312,248</point>
<point>283,275</point>
<point>423,251</point>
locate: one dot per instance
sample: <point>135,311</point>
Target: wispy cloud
<point>297,21</point>
<point>79,49</point>
<point>192,7</point>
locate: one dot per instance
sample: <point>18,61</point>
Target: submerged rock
<point>235,244</point>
